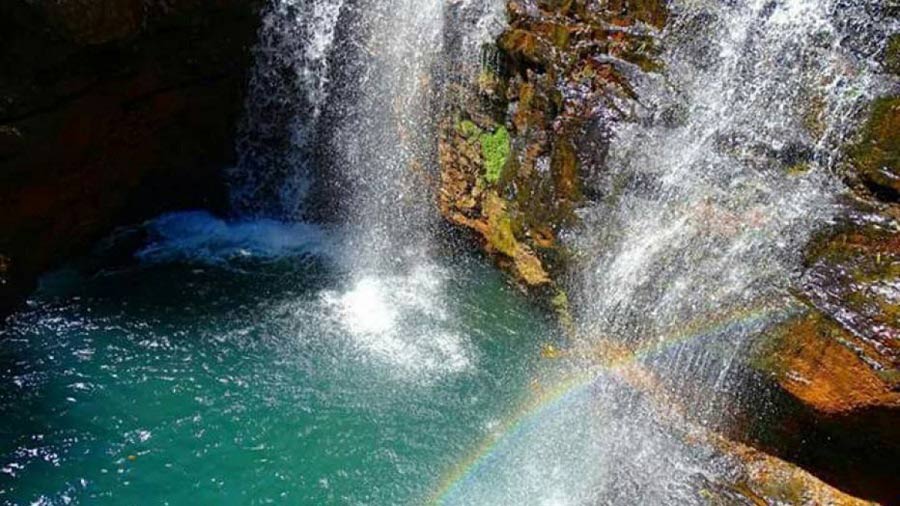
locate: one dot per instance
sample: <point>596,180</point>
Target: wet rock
<point>830,369</point>
<point>836,366</point>
<point>876,157</point>
<point>95,21</point>
<point>891,59</point>
<point>511,168</point>
<point>853,277</point>
<point>111,111</point>
<point>11,141</point>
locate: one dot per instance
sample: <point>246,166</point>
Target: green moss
<point>560,301</point>
<point>652,12</point>
<point>495,149</point>
<point>560,35</point>
<point>500,232</point>
<point>890,376</point>
<point>503,238</point>
<point>490,83</point>
<point>799,169</point>
<point>467,129</point>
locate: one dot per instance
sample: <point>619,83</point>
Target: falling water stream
<point>281,357</point>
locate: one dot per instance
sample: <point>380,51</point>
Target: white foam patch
<point>366,309</point>
<point>399,320</point>
<point>198,236</point>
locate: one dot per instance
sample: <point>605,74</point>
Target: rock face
<point>511,167</point>
<point>839,361</point>
<point>767,480</point>
<point>830,369</point>
<point>111,111</point>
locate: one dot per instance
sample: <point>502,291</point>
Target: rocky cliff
<point>111,111</point>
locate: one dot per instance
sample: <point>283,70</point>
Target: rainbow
<point>575,386</point>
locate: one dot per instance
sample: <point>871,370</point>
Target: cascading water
<point>346,110</point>
<point>382,139</point>
<point>374,160</point>
<point>288,87</point>
<point>728,170</point>
<point>731,166</point>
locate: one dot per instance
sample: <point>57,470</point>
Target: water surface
<point>236,364</point>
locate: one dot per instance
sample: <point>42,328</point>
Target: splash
<point>400,320</point>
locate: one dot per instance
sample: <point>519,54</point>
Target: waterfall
<point>380,137</point>
<point>713,191</point>
<point>338,123</point>
<point>709,194</point>
<point>339,128</point>
<point>288,87</point>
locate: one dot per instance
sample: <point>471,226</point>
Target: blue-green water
<point>241,366</point>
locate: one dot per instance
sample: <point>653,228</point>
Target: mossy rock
<point>564,165</point>
<point>500,234</point>
<point>495,149</point>
<point>652,12</point>
<point>876,157</point>
<point>527,45</point>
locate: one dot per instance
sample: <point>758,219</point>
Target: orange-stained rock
<point>824,366</point>
<point>757,478</point>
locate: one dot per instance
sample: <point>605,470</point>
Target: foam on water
<point>200,237</point>
<point>399,320</point>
